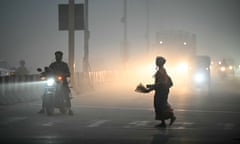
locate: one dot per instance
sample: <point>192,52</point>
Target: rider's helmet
<point>160,61</point>
<point>59,53</point>
<point>58,56</point>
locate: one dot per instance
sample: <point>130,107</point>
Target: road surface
<point>120,115</point>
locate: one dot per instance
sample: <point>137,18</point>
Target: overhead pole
<point>86,65</point>
<point>125,38</point>
<point>71,28</point>
<point>147,28</point>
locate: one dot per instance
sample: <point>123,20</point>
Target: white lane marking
<point>207,111</point>
<point>151,125</point>
<point>52,122</point>
<point>226,126</point>
<point>184,123</point>
<point>48,124</point>
<point>139,123</point>
<point>113,107</point>
<point>179,128</point>
<point>188,123</point>
<point>13,119</point>
<point>135,124</point>
<point>151,109</point>
<point>97,123</point>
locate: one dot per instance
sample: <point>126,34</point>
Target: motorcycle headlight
<point>50,82</point>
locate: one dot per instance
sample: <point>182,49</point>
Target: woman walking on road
<point>162,84</point>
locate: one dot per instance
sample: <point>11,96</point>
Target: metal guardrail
<point>15,89</point>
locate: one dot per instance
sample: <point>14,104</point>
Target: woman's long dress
<point>163,82</point>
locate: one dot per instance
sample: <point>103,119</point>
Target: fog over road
<point>117,114</point>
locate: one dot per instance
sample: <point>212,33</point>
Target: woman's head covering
<point>160,61</point>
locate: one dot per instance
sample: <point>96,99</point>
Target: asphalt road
<point>119,115</point>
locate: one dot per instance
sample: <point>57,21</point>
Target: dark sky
<point>29,29</point>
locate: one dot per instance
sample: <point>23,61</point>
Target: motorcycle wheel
<point>49,111</point>
<point>63,110</point>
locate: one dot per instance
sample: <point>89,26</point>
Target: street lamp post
<point>86,39</point>
<point>125,41</point>
<point>71,29</point>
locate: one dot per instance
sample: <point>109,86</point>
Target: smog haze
<point>29,29</point>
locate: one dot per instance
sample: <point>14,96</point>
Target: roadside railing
<point>15,89</point>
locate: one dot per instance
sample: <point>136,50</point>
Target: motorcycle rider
<point>60,67</point>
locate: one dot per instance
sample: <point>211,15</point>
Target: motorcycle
<point>55,92</point>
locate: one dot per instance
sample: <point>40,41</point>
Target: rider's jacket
<point>60,68</point>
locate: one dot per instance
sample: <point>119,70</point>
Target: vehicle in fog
<point>185,65</point>
<point>201,74</point>
<point>225,68</point>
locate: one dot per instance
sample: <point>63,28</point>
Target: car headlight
<point>50,82</point>
<point>222,68</point>
<point>199,77</point>
<point>182,67</point>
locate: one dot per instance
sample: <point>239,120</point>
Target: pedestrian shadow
<point>161,137</point>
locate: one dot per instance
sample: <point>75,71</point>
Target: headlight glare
<point>50,82</point>
<point>182,67</point>
<point>223,68</point>
<point>199,78</point>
